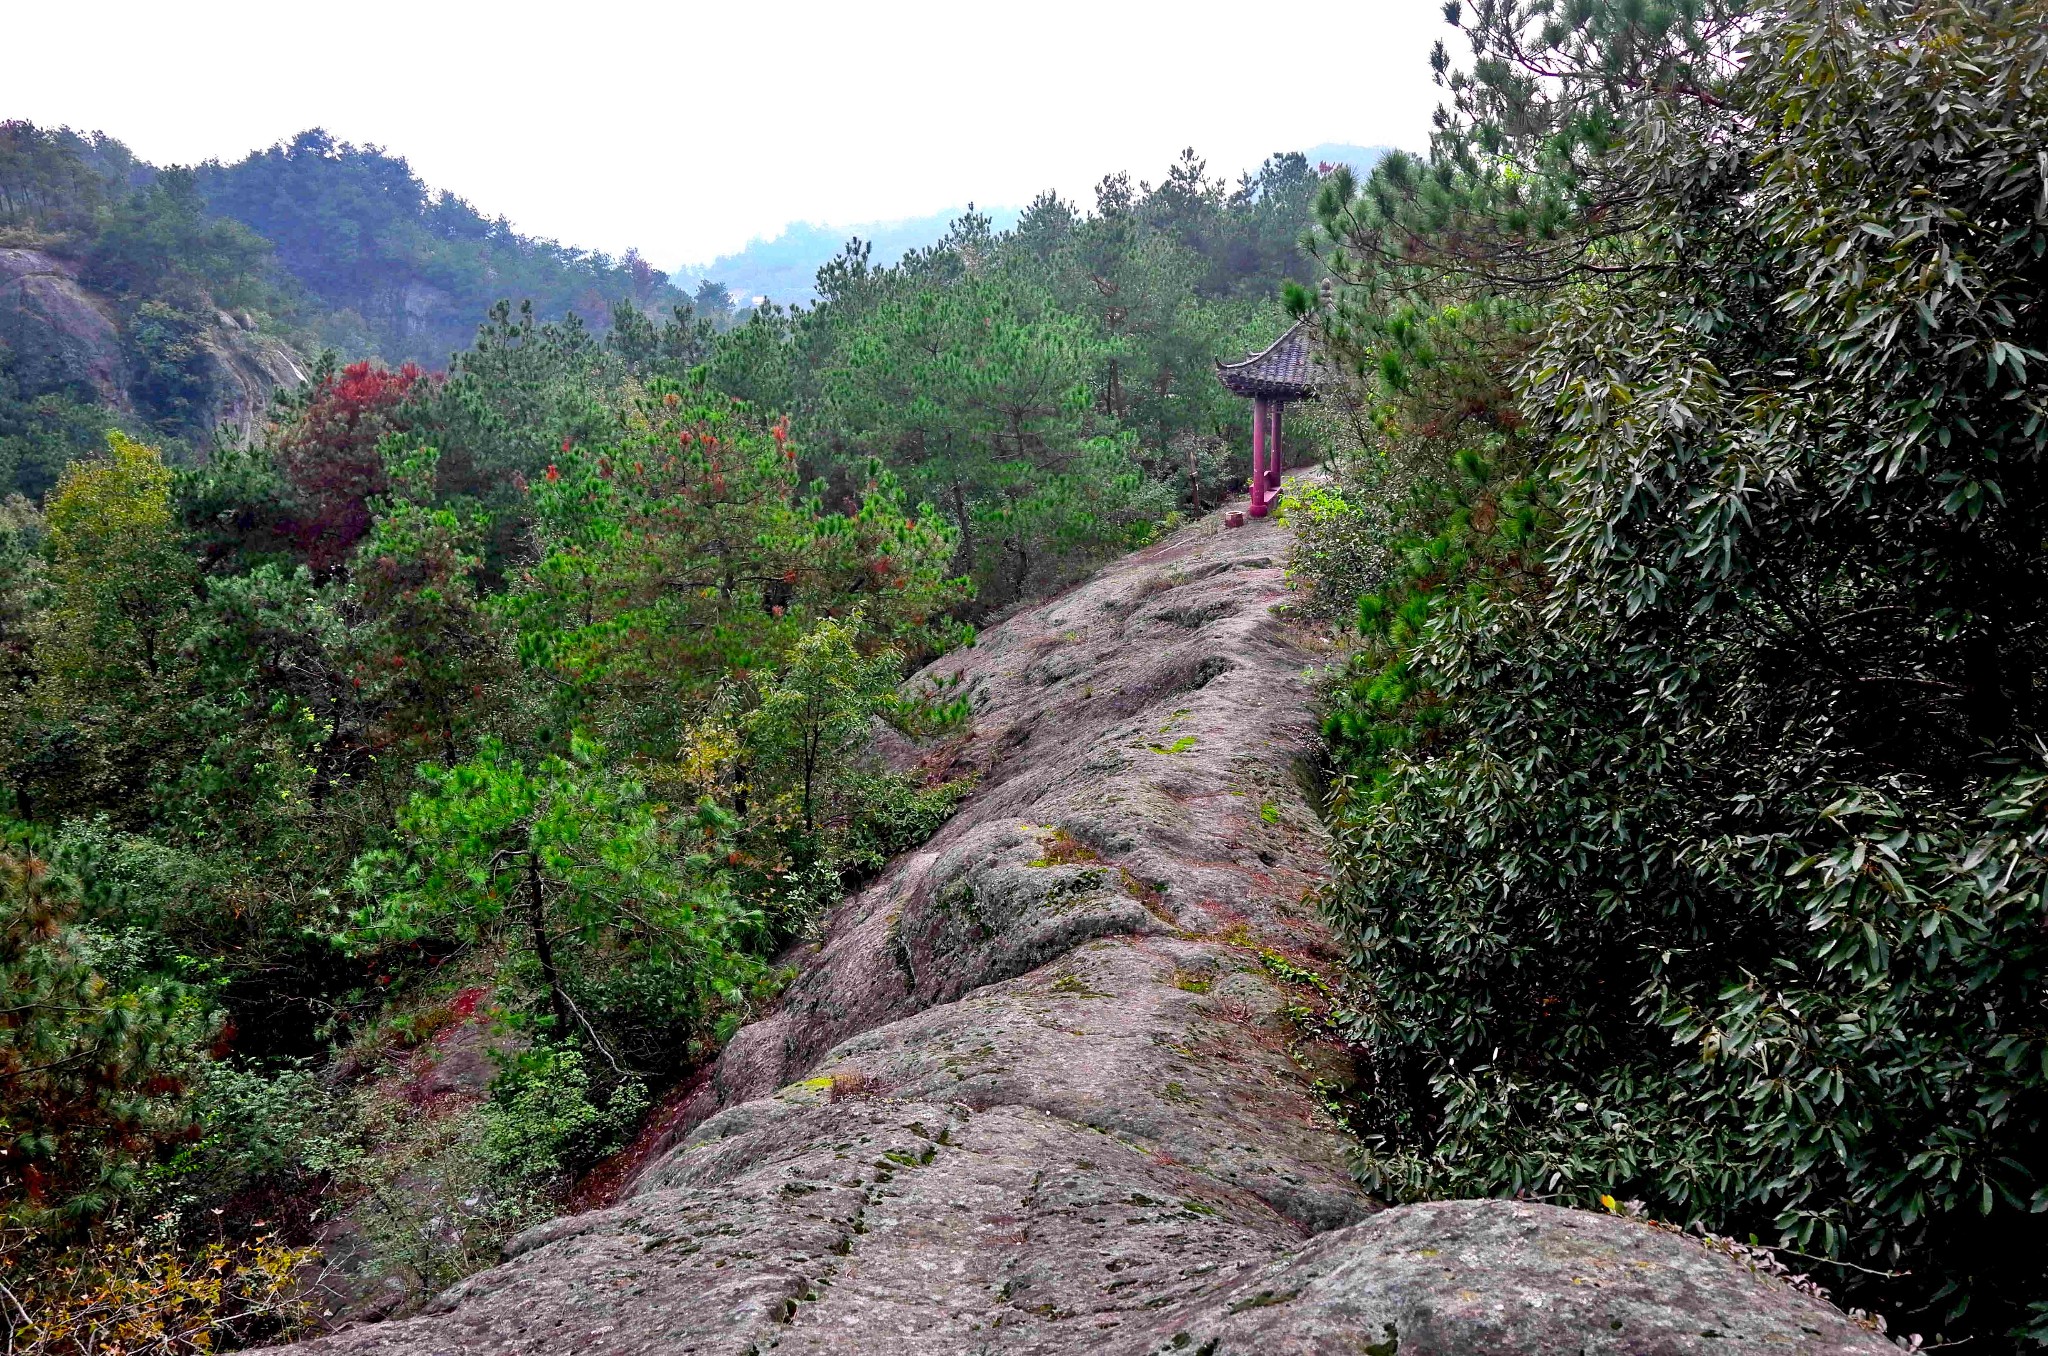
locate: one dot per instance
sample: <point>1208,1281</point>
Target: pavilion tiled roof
<point>1284,370</point>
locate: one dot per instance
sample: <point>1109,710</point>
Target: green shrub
<point>96,1075</point>
<point>893,813</point>
<point>1342,535</point>
<point>254,1130</point>
<point>419,1184</point>
<point>542,1121</point>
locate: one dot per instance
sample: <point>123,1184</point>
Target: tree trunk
<point>543,949</point>
<point>812,738</point>
<point>966,528</point>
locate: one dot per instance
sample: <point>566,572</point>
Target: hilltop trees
<point>979,392</point>
<point>44,179</point>
<point>558,659</point>
<point>686,554</point>
<point>1042,386</point>
<point>1097,330</point>
<point>161,242</point>
<point>213,275</point>
<point>398,270</point>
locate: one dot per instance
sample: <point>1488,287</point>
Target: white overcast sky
<point>687,129</point>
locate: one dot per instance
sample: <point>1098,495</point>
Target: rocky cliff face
<point>59,335</point>
<point>62,336</point>
<point>1037,1090</point>
<point>244,370</point>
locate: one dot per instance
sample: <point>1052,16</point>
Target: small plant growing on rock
<point>1060,848</point>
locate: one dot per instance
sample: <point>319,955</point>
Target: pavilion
<point>1282,371</point>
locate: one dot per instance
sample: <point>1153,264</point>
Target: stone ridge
<point>1037,1089</point>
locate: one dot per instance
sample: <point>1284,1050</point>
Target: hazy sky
<point>686,129</point>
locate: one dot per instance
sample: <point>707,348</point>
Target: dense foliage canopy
<point>1692,786</point>
<point>1690,798</point>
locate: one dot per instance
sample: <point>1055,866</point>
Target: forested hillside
<point>517,704</point>
<point>784,269</point>
<point>396,271</point>
<point>124,301</point>
<point>169,302</point>
<point>1049,389</point>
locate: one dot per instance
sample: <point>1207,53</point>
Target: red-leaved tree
<point>328,455</point>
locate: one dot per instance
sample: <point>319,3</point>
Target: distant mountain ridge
<point>784,268</point>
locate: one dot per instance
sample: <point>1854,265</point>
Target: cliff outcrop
<point>58,334</point>
<point>1044,1086</point>
<point>62,336</point>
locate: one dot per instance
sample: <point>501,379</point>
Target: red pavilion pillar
<point>1261,412</point>
<point>1276,460</point>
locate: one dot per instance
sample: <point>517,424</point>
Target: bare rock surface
<point>60,335</point>
<point>1037,1089</point>
<point>244,372</point>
